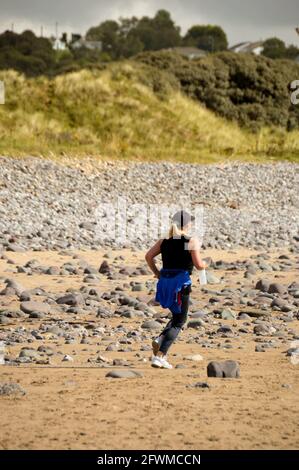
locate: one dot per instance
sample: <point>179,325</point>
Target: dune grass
<point>113,114</point>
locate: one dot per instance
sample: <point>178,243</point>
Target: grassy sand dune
<point>114,113</point>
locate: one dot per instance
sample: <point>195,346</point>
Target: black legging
<point>176,323</point>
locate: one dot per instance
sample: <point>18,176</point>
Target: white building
<point>248,47</point>
<point>58,45</point>
<point>92,45</point>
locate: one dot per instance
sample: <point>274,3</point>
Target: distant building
<point>189,52</point>
<point>58,44</point>
<point>75,37</point>
<point>248,47</point>
<point>92,45</point>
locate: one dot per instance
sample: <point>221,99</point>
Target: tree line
<point>129,36</point>
<point>121,39</point>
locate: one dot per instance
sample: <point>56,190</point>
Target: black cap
<point>182,218</point>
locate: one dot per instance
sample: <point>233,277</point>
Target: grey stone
<point>194,357</point>
<point>226,369</point>
<point>256,313</point>
<point>151,325</point>
<point>67,358</point>
<point>46,350</point>
<point>224,329</point>
<point>112,347</point>
<point>71,299</point>
<point>8,389</point>
<point>263,285</point>
<point>276,288</point>
<point>29,353</point>
<point>32,306</point>
<point>263,330</point>
<point>228,315</point>
<point>201,385</point>
<point>104,268</point>
<point>38,315</point>
<point>197,323</point>
<point>124,374</point>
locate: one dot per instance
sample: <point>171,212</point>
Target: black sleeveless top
<point>175,254</point>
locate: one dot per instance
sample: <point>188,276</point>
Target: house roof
<point>247,46</point>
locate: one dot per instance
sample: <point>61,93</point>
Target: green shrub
<point>252,90</point>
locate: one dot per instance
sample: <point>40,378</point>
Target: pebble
<point>29,353</point>
<point>200,385</point>
<point>8,389</point>
<point>151,325</point>
<point>194,357</point>
<point>228,315</point>
<point>198,323</point>
<point>69,221</point>
<point>67,358</point>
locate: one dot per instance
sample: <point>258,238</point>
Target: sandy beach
<point>73,405</point>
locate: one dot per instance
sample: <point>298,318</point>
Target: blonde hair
<point>175,231</point>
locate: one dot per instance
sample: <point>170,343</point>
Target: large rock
<point>276,288</point>
<point>196,323</point>
<point>12,288</point>
<point>151,325</point>
<point>226,369</point>
<point>71,299</point>
<point>31,306</point>
<point>263,285</point>
<point>256,313</point>
<point>104,268</point>
<point>29,353</point>
<point>124,374</point>
<point>263,329</point>
<point>225,329</point>
<point>227,314</point>
<point>15,247</point>
<point>8,389</point>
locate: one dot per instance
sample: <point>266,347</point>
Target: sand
<point>74,406</point>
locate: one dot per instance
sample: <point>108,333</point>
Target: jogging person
<point>180,254</point>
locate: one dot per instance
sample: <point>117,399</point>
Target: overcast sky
<point>242,19</point>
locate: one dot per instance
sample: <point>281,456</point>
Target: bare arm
<point>194,247</point>
<point>151,254</point>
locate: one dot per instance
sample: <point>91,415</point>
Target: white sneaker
<point>165,364</point>
<point>160,363</point>
<point>156,343</point>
